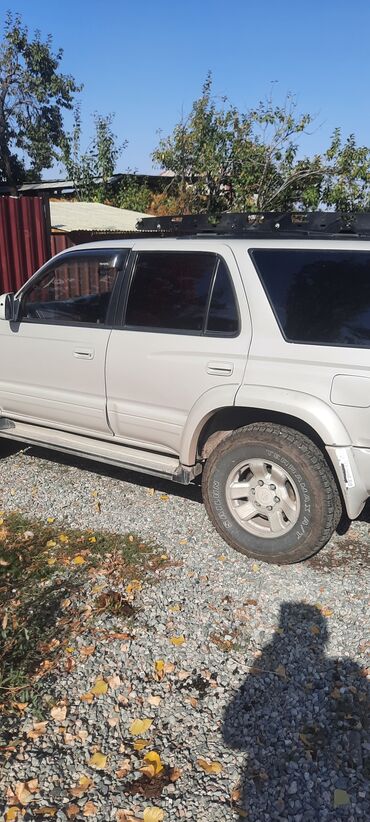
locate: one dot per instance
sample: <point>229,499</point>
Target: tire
<point>270,493</point>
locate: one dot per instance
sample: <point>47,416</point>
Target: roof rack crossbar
<point>262,224</point>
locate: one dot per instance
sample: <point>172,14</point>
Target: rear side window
<point>318,296</point>
<point>169,290</point>
<point>223,314</point>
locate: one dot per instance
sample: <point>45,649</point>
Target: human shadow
<point>302,719</point>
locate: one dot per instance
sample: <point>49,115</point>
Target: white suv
<point>239,352</point>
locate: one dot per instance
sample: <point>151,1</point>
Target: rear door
<point>53,360</point>
<point>182,334</point>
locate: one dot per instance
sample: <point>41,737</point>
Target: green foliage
<point>33,95</point>
<point>92,169</point>
<point>133,194</point>
<point>225,159</point>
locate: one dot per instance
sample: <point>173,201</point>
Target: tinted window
<point>170,290</point>
<point>75,291</point>
<point>318,296</point>
<point>223,315</point>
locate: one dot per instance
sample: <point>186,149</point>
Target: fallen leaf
<point>87,650</point>
<point>126,816</point>
<point>59,713</point>
<point>88,697</point>
<point>84,783</point>
<point>21,706</point>
<point>89,809</point>
<point>164,497</point>
<point>33,785</point>
<point>38,729</point>
<point>63,538</point>
<point>134,585</point>
<point>177,640</point>
<point>280,671</point>
<point>154,700</point>
<point>341,798</point>
<point>327,612</point>
<point>47,810</point>
<point>222,558</point>
<point>153,765</point>
<point>51,543</point>
<point>11,815</point>
<point>174,609</point>
<point>98,761</point>
<point>78,560</point>
<point>175,774</point>
<point>255,567</point>
<point>22,793</point>
<point>114,681</point>
<point>100,687</point>
<point>123,769</point>
<point>72,811</point>
<point>151,492</point>
<point>315,630</point>
<point>50,520</point>
<point>210,767</point>
<point>139,744</point>
<point>153,814</point>
<point>140,726</point>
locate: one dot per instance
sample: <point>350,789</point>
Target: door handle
<point>220,369</point>
<point>84,353</point>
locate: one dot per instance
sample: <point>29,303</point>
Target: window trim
<point>123,255</point>
<point>126,287</point>
<point>289,341</point>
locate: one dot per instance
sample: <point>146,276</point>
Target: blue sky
<point>146,60</point>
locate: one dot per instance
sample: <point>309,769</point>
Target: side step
<point>134,459</point>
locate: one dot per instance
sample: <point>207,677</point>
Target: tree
<point>33,96</point>
<point>346,181</point>
<point>92,169</point>
<point>226,159</point>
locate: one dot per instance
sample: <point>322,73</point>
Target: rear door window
<point>318,296</point>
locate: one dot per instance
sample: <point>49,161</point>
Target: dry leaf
<point>124,768</point>
<point>51,543</point>
<point>255,567</point>
<point>87,650</point>
<point>22,793</point>
<point>153,765</point>
<point>88,697</point>
<point>84,783</point>
<point>72,811</point>
<point>78,560</point>
<point>50,520</point>
<point>341,798</point>
<point>151,492</point>
<point>98,761</point>
<point>209,767</point>
<point>11,815</point>
<point>327,612</point>
<point>139,744</point>
<point>154,700</point>
<point>153,814</point>
<point>59,713</point>
<point>33,785</point>
<point>140,726</point>
<point>89,809</point>
<point>280,671</point>
<point>177,640</point>
<point>100,687</point>
<point>47,810</point>
<point>114,681</point>
<point>315,629</point>
<point>63,538</point>
<point>126,816</point>
<point>164,497</point>
<point>175,774</point>
<point>38,729</point>
<point>134,585</point>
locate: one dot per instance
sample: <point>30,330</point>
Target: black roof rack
<point>267,224</point>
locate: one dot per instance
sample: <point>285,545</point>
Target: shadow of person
<point>302,718</point>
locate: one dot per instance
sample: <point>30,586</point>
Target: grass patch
<point>43,570</point>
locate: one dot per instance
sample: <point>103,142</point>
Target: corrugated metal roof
<point>67,216</point>
<point>24,239</point>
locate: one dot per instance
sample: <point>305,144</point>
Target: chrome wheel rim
<point>263,498</point>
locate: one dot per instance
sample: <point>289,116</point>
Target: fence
<point>24,239</point>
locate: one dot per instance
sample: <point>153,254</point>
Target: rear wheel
<point>270,493</point>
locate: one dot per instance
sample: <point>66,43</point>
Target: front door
<point>182,335</point>
<point>52,368</point>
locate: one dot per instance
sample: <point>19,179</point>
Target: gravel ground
<point>267,682</point>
